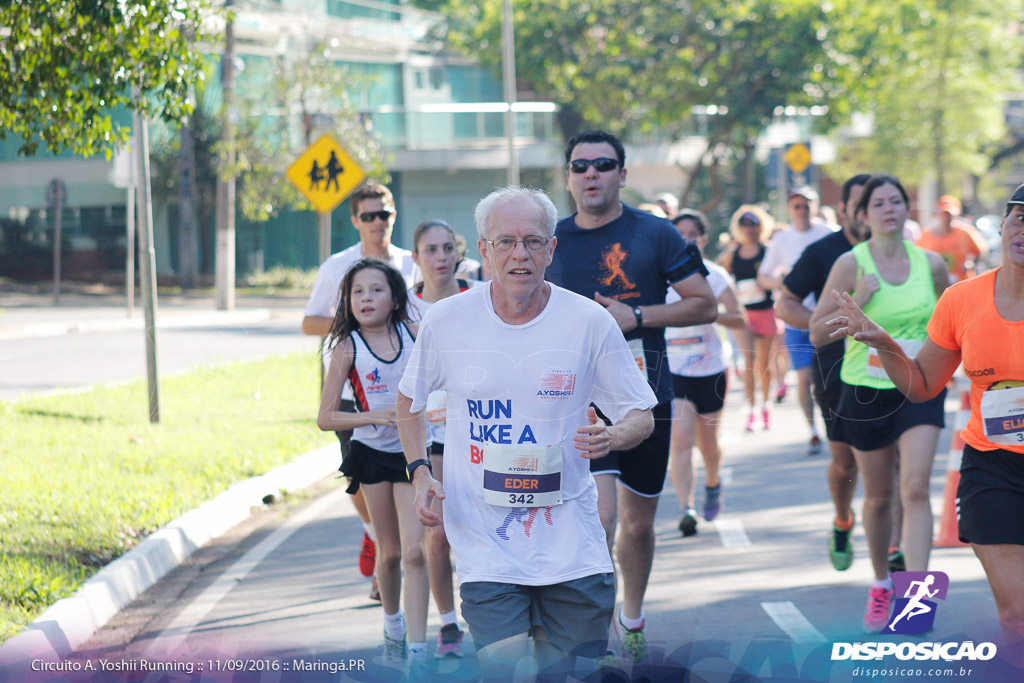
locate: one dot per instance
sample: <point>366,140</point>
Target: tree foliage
<point>68,64</point>
<point>633,65</point>
<point>932,75</point>
<point>290,104</point>
<point>282,106</point>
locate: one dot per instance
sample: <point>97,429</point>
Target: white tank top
<point>374,383</point>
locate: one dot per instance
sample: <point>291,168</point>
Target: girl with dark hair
<point>370,341</point>
<point>897,284</point>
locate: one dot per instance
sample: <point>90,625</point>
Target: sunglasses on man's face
<point>601,165</point>
<point>368,216</point>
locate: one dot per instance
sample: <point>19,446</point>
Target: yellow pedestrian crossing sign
<point>797,157</point>
<point>325,174</point>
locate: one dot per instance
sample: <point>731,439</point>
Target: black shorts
<point>642,469</point>
<point>365,465</point>
<point>436,449</point>
<point>990,497</point>
<point>875,418</point>
<point>828,362</point>
<point>707,393</point>
<point>575,614</point>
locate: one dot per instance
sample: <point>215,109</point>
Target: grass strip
<point>85,476</point>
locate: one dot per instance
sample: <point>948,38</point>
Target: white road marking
<point>193,614</point>
<point>787,617</point>
<point>732,533</point>
<point>725,475</point>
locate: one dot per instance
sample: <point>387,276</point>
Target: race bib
<point>749,291</point>
<point>875,368</point>
<point>636,347</point>
<point>522,475</point>
<point>1002,415</point>
<point>691,345</point>
<point>437,406</point>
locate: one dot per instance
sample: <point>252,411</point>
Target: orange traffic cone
<point>948,536</point>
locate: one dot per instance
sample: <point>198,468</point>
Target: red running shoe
<point>367,556</point>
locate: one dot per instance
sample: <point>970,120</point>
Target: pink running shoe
<point>449,642</point>
<point>751,421</point>
<point>877,614</point>
<point>766,415</point>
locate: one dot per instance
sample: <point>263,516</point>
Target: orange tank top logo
<point>613,258</point>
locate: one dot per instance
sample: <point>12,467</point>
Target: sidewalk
<point>29,310</point>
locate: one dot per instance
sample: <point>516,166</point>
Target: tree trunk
<point>187,248</point>
<point>692,174</point>
<point>716,184</point>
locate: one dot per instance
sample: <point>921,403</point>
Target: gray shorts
<point>575,614</point>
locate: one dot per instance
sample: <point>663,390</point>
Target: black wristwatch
<point>639,317</point>
<point>411,467</point>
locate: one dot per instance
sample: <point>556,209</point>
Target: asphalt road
<point>751,597</point>
<point>74,361</point>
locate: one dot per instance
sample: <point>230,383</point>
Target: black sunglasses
<point>368,216</point>
<point>601,165</point>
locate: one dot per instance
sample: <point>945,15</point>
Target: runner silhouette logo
<point>914,612</point>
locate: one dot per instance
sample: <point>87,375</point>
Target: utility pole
<point>508,62</point>
<point>147,259</point>
<point>225,252</point>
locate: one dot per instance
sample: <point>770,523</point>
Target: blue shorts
<point>576,614</point>
<point>801,350</point>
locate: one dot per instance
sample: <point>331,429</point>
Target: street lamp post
<point>225,251</point>
<point>508,61</point>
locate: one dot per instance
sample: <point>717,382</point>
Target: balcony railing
<point>472,125</point>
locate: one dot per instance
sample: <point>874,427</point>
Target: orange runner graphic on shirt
<point>613,258</point>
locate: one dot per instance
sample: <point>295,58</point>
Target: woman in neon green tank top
<point>897,285</point>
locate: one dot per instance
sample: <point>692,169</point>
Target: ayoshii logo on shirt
<point>375,386</point>
<point>557,384</point>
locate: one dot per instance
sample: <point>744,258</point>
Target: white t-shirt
<point>323,300</point>
<point>438,400</point>
<point>696,350</point>
<point>785,248</point>
<point>523,384</point>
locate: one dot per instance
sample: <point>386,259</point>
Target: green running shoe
<point>840,548</point>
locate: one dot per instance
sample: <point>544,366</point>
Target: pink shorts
<point>762,322</point>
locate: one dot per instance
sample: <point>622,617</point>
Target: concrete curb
<point>70,622</point>
<point>166,321</point>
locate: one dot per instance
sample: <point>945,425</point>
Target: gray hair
<point>486,207</point>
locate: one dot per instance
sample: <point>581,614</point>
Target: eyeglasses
<point>747,223</point>
<point>507,244</point>
<point>368,216</point>
<point>601,165</point>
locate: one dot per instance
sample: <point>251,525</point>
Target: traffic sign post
<point>325,174</point>
<point>798,163</point>
<point>790,167</point>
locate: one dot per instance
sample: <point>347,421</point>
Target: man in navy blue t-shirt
<point>626,260</point>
